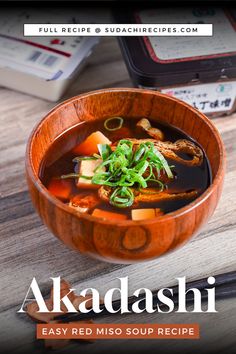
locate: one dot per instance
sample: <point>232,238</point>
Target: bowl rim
<point>172,215</point>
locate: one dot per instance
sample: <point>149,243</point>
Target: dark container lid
<point>146,71</point>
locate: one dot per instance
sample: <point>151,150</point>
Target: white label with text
<point>208,98</point>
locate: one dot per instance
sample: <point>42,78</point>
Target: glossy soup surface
<point>58,161</point>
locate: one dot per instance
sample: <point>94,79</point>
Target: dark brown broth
<point>58,161</point>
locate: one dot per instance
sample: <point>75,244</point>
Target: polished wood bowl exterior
<point>124,241</point>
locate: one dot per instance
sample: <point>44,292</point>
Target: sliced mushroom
<point>163,196</point>
<point>104,193</point>
<point>154,132</point>
<point>147,195</point>
<point>170,150</point>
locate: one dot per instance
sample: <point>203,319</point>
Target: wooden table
<point>28,249</point>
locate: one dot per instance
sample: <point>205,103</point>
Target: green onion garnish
<point>104,150</point>
<point>122,197</point>
<point>85,158</point>
<point>70,175</point>
<point>75,175</point>
<point>113,119</point>
<point>126,169</point>
<point>164,163</point>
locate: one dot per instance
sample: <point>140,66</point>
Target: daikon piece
<point>87,168</point>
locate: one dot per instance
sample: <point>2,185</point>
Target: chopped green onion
<point>164,163</point>
<point>113,119</point>
<point>104,150</point>
<point>96,156</point>
<point>70,175</point>
<point>139,152</point>
<point>75,175</point>
<point>124,168</point>
<point>122,197</point>
<point>86,177</point>
<point>84,158</point>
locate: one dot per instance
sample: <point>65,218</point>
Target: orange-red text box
<point>117,331</point>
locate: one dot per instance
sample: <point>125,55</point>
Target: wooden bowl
<point>124,241</point>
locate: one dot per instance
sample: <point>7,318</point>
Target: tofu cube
<point>87,168</point>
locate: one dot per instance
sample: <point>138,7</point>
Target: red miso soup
<point>126,169</point>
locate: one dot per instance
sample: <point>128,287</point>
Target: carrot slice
<point>60,188</point>
<point>90,145</point>
<point>144,214</point>
<point>108,215</point>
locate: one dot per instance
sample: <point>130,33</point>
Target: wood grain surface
<point>28,249</point>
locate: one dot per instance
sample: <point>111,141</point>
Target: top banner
<point>118,29</point>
